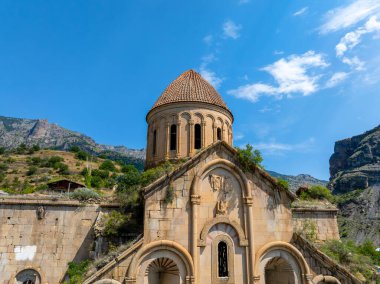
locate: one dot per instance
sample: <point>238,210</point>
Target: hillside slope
<point>17,131</point>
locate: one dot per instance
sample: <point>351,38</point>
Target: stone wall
<point>322,221</point>
<point>321,264</point>
<point>44,235</point>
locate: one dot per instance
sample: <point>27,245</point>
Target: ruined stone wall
<point>44,241</point>
<point>320,224</point>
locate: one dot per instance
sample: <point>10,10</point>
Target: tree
<point>108,165</point>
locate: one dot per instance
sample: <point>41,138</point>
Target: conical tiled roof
<point>190,87</point>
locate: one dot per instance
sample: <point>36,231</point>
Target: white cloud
<point>347,16</point>
<point>253,92</point>
<point>354,62</point>
<point>351,39</point>
<point>238,136</point>
<point>279,148</point>
<point>301,11</point>
<point>336,79</point>
<point>292,75</point>
<point>208,39</point>
<point>231,30</point>
<point>210,76</point>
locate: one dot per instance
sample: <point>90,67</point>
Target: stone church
<point>223,223</point>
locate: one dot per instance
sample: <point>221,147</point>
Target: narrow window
<point>219,134</point>
<point>222,260</point>
<point>154,142</point>
<point>173,137</point>
<point>197,136</point>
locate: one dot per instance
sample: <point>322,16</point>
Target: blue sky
<point>298,75</point>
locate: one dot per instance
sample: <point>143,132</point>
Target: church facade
<point>211,220</point>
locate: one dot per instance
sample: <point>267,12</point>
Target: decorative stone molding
<point>165,245</point>
<point>248,200</point>
<point>195,199</point>
<point>243,242</point>
<point>230,260</point>
<point>279,245</point>
<point>256,279</point>
<point>325,279</point>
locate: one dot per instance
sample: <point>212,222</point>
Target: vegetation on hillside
<point>361,260</point>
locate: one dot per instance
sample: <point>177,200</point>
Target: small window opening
<point>154,142</point>
<point>222,260</point>
<point>197,136</point>
<point>219,134</point>
<point>173,137</point>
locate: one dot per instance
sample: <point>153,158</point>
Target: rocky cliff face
<point>15,131</point>
<point>355,163</point>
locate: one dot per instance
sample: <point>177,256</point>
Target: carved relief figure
<point>41,212</point>
<point>216,182</point>
<point>221,207</point>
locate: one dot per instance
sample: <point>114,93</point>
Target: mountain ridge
<point>17,131</point>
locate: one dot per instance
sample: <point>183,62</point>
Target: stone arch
<point>222,163</point>
<point>107,281</point>
<point>185,115</point>
<point>291,254</point>
<point>222,219</point>
<point>28,273</point>
<point>198,117</point>
<point>319,279</point>
<point>157,249</point>
<point>211,117</point>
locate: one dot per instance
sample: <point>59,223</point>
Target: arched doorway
<point>279,271</point>
<point>163,271</point>
<point>28,276</point>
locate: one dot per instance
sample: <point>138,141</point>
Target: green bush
<point>74,149</point>
<point>358,259</point>
<point>2,150</point>
<point>77,271</point>
<point>3,167</point>
<point>31,171</point>
<point>84,194</point>
<point>283,183</point>
<point>115,223</point>
<point>248,157</point>
<point>108,165</point>
<point>317,192</point>
<point>341,199</point>
<point>153,174</point>
<point>63,169</point>
<point>169,197</point>
<point>82,155</point>
<point>33,149</point>
<point>103,174</point>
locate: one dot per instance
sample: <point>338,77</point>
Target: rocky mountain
<point>355,175</point>
<point>15,131</point>
<point>296,181</point>
<point>355,163</point>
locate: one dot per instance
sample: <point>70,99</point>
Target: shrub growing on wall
<point>248,157</point>
<point>317,192</point>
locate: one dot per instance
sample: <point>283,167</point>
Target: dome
<point>190,87</point>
